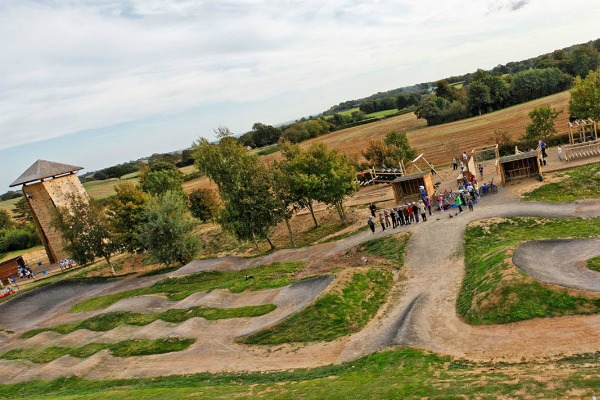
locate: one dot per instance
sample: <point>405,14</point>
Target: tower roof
<point>42,169</point>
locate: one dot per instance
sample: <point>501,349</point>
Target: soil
<point>420,311</point>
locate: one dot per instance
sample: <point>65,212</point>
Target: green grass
<point>263,151</point>
<point>334,314</point>
<point>488,296</point>
<point>125,348</point>
<point>102,189</point>
<point>383,113</point>
<point>390,247</point>
<point>8,205</point>
<point>106,322</point>
<point>397,374</point>
<point>13,254</point>
<point>579,183</point>
<point>178,288</point>
<point>594,264</point>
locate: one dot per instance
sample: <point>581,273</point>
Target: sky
<point>100,82</point>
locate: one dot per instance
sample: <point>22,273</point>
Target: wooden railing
<point>581,150</point>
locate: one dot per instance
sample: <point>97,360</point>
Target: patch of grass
<point>579,183</point>
<point>126,348</point>
<point>178,288</point>
<point>333,314</point>
<point>494,292</point>
<point>383,113</point>
<point>107,321</point>
<point>13,254</point>
<point>268,150</point>
<point>398,374</point>
<point>390,247</point>
<point>159,271</point>
<point>594,264</point>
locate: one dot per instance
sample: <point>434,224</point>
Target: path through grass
<point>107,321</point>
<point>334,314</point>
<point>495,292</point>
<point>125,348</point>
<point>397,374</point>
<point>178,288</point>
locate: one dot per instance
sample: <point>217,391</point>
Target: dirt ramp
<point>559,262</point>
<point>32,307</point>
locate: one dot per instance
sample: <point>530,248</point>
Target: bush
<point>18,239</point>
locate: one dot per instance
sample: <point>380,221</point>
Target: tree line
<point>157,218</point>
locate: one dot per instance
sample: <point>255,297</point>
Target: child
<point>470,204</point>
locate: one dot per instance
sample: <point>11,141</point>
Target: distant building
<point>47,186</point>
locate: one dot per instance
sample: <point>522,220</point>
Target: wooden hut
<point>408,187</point>
<point>11,267</point>
<point>519,166</point>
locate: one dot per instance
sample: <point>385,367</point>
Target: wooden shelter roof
<point>42,169</point>
<point>411,177</point>
<point>520,156</point>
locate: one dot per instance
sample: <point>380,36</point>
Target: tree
<point>284,196</point>
<point>86,229</point>
<point>389,152</point>
<point>22,211</point>
<point>162,180</point>
<point>6,221</point>
<point>126,211</point>
<point>319,174</point>
<point>167,231</point>
<point>585,97</point>
<point>203,204</point>
<point>264,135</point>
<point>542,122</point>
<point>583,60</point>
<point>249,209</point>
<point>479,96</point>
<point>445,90</point>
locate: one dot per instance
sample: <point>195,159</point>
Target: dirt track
<point>420,313</point>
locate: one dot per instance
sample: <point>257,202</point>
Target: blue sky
<point>99,82</point>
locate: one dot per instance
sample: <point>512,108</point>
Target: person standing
<point>386,216</point>
<point>415,209</point>
<point>381,220</point>
<point>454,164</point>
<point>371,224</point>
<point>393,217</point>
<point>458,203</point>
<point>372,208</point>
<point>470,204</point>
<point>422,211</point>
<point>543,147</point>
<point>441,203</point>
<point>411,213</point>
<point>428,204</point>
<point>465,159</point>
<point>481,171</point>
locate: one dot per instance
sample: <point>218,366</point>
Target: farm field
<point>436,142</point>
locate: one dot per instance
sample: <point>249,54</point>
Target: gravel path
<point>560,262</point>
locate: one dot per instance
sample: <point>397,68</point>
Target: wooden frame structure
<point>583,138</point>
<point>408,187</point>
<point>482,149</point>
<point>519,166</point>
<point>582,130</point>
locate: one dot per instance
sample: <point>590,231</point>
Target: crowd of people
<point>25,272</point>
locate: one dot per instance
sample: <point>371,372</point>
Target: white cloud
<point>72,65</point>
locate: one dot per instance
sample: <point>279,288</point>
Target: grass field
<point>397,374</point>
<point>495,292</point>
<point>576,184</point>
<point>593,264</point>
<point>12,254</point>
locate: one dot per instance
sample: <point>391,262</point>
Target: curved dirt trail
<point>420,313</point>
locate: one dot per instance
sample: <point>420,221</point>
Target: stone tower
<point>47,186</point>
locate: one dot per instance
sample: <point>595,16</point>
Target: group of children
<point>407,214</point>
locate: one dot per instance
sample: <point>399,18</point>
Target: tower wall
<point>44,198</point>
